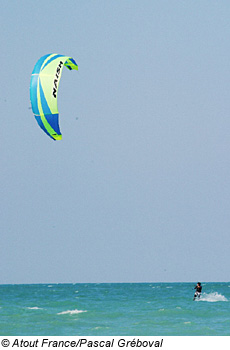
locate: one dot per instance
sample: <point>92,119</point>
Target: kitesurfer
<point>198,291</point>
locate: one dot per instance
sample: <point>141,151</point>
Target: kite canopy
<point>44,89</point>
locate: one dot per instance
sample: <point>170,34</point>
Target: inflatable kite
<point>44,89</point>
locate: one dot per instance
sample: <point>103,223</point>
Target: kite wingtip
<point>56,137</point>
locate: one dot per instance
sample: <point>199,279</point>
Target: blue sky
<point>138,189</point>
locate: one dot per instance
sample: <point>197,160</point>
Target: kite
<point>44,90</point>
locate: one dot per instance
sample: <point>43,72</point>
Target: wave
<point>71,312</point>
<point>34,308</point>
<point>212,297</point>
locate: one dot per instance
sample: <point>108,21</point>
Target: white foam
<point>34,308</point>
<point>99,327</point>
<point>213,297</point>
<point>71,312</point>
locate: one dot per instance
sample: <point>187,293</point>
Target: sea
<point>114,309</point>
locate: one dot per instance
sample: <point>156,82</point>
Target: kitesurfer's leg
<point>195,295</point>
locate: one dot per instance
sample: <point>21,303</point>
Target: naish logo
<point>57,76</point>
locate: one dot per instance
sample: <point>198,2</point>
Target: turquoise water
<point>140,309</point>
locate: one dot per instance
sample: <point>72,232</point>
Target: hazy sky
<point>138,190</point>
